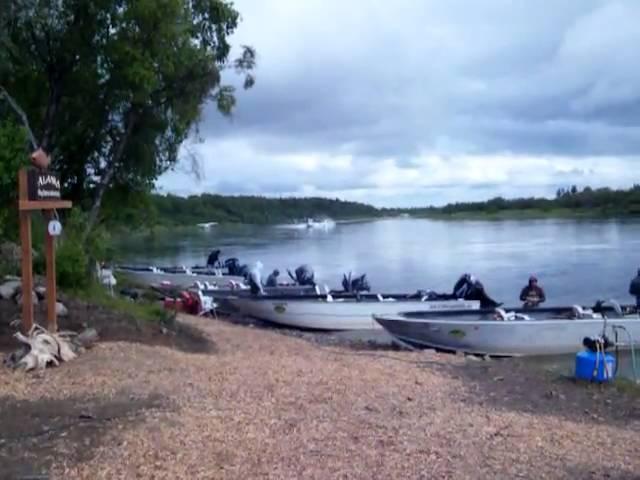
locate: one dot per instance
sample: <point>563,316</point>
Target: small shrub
<point>72,262</point>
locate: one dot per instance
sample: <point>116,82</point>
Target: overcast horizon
<point>401,105</point>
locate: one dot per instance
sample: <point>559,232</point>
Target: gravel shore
<point>264,405</point>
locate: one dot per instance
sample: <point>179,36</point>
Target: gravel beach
<point>259,404</point>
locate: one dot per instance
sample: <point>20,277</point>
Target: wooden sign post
<point>38,189</point>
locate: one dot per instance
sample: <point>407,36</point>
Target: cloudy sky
<point>411,102</point>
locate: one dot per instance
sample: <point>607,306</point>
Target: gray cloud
<point>386,85</point>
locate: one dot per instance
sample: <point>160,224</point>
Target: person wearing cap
<point>532,295</point>
<point>272,279</point>
<point>634,288</point>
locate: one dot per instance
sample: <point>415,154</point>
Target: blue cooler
<point>586,364</point>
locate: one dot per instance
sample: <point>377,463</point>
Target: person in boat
<point>304,276</point>
<point>272,279</point>
<point>532,294</point>
<point>254,279</point>
<point>634,288</point>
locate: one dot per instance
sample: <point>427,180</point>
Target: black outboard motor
<point>213,260</point>
<point>596,344</point>
<point>634,288</point>
<point>358,284</point>
<point>244,271</point>
<point>477,292</point>
<point>470,288</point>
<point>304,276</point>
<point>233,266</point>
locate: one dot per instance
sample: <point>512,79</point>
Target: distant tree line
<point>170,210</point>
<point>588,201</point>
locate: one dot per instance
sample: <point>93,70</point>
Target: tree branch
<point>21,114</point>
<point>109,172</point>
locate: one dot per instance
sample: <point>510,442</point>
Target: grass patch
<point>145,309</point>
<point>627,386</point>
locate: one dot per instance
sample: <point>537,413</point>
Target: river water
<point>575,261</point>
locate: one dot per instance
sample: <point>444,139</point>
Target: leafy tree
<point>113,87</point>
<point>13,140</point>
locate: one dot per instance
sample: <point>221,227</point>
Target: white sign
<point>54,228</point>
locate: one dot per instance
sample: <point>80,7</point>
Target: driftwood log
<point>42,348</point>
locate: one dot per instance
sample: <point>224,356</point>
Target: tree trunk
<point>49,116</point>
<point>108,174</point>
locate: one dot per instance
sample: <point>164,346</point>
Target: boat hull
<point>336,315</point>
<point>504,338</point>
<point>180,279</point>
<point>283,290</point>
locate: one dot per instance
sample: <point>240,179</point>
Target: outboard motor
<point>304,276</point>
<point>233,266</point>
<point>358,284</point>
<point>634,286</point>
<point>462,286</point>
<point>594,344</point>
<point>213,260</point>
<point>476,291</point>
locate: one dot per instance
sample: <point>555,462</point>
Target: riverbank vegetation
<point>568,203</point>
<point>110,90</point>
<point>172,210</point>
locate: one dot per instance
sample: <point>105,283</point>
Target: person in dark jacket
<point>532,295</point>
<point>634,288</point>
<point>272,279</point>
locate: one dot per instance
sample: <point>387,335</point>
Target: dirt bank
<point>111,325</point>
<point>265,405</point>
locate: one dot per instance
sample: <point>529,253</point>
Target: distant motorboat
<point>326,224</point>
<point>339,311</point>
<point>310,224</point>
<point>207,225</point>
<point>513,332</point>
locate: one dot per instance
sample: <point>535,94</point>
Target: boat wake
<point>326,224</point>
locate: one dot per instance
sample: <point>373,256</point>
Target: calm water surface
<point>576,261</point>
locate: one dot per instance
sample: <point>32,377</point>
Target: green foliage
<point>71,265</point>
<point>174,210</point>
<point>13,155</point>
<point>569,202</point>
<point>113,87</point>
<point>75,255</point>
